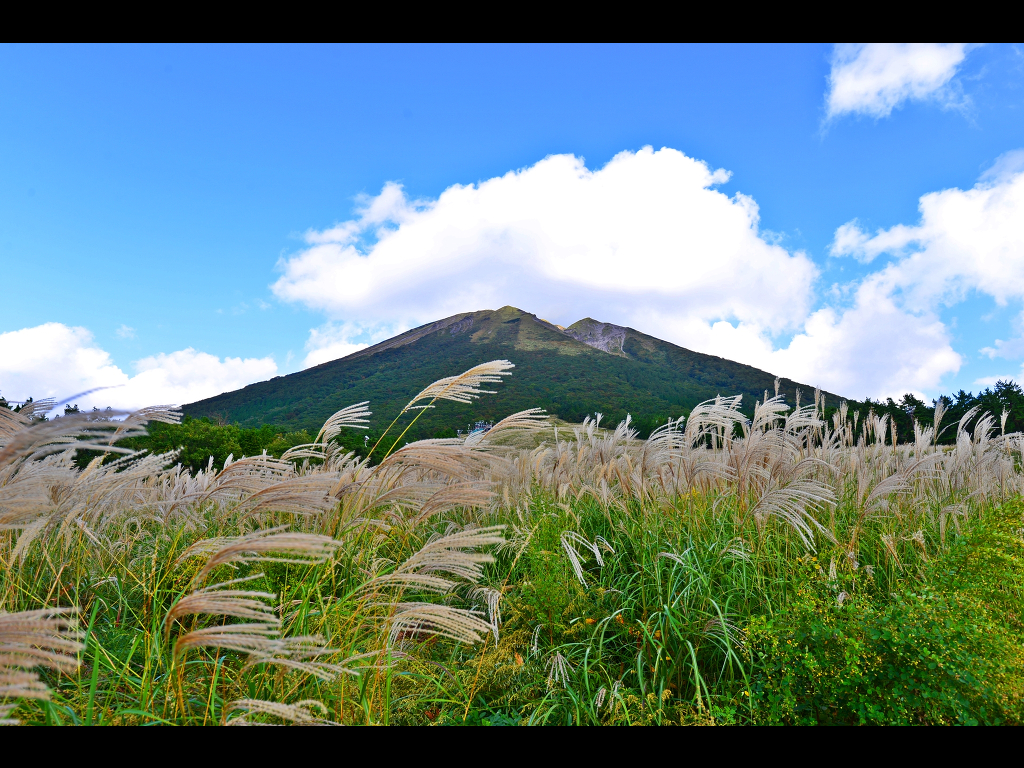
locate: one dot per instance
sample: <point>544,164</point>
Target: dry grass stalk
<point>464,388</point>
<point>214,599</point>
<point>302,548</point>
<point>41,638</point>
<point>448,555</point>
<point>416,619</point>
<point>306,712</point>
<point>257,638</point>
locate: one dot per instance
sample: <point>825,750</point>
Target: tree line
<point>200,438</point>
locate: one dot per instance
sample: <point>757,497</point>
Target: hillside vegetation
<point>556,369</point>
<point>776,568</point>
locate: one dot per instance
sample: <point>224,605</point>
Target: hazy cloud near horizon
<point>55,360</point>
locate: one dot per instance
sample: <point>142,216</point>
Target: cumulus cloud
<point>967,240</point>
<point>874,348</point>
<point>646,241</point>
<point>646,231</point>
<point>55,360</point>
<point>1009,349</point>
<point>873,79</point>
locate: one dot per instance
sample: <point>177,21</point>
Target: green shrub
<point>950,651</point>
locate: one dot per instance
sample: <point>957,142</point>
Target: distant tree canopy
<point>199,439</point>
<point>1004,396</point>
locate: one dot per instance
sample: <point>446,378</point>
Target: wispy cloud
<point>875,78</point>
<point>125,332</point>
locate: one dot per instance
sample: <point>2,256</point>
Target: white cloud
<point>966,241</point>
<point>331,342</point>
<point>645,241</point>
<point>875,348</point>
<point>646,235</point>
<point>187,375</point>
<point>54,360</point>
<point>647,230</point>
<point>1012,349</point>
<point>125,332</point>
<point>873,79</point>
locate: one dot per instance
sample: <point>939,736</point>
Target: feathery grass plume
<point>411,619</point>
<point>261,546</point>
<point>448,555</point>
<point>463,388</point>
<point>40,638</point>
<point>38,408</point>
<point>568,539</point>
<point>11,422</point>
<point>261,639</point>
<point>470,495</point>
<point>255,638</point>
<point>353,417</point>
<point>529,420</point>
<point>790,504</point>
<point>214,599</point>
<point>167,414</point>
<point>439,456</point>
<point>243,477</point>
<point>304,654</point>
<point>492,598</point>
<point>306,712</point>
<point>301,495</point>
<point>558,668</point>
<point>940,411</point>
<point>445,555</point>
<point>767,413</point>
<point>28,440</point>
<point>712,418</point>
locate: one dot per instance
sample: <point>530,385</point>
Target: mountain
<point>571,372</point>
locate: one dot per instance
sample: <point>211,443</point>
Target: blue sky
<point>166,213</point>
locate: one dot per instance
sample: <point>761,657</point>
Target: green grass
<point>704,635</point>
<point>772,571</point>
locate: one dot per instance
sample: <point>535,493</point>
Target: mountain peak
<point>570,371</point>
<point>606,337</point>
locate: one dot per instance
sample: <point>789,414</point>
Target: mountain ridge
<point>589,366</point>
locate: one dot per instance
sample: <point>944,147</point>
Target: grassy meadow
<point>779,569</point>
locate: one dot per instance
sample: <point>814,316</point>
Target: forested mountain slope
<point>571,372</point>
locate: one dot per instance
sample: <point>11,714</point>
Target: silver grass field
<point>728,569</point>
